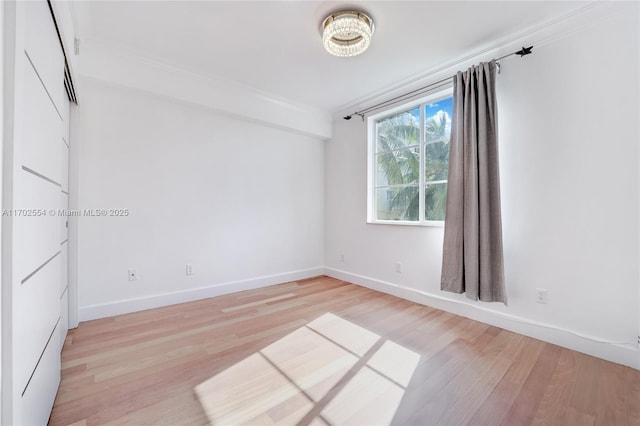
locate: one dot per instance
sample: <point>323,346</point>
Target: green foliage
<point>435,201</point>
<point>395,134</point>
<point>437,149</point>
<point>399,162</point>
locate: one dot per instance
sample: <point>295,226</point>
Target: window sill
<point>428,223</point>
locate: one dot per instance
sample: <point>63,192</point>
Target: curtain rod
<point>522,52</point>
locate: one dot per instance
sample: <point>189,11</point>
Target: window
<point>409,162</point>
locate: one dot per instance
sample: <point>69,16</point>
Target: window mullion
<point>421,187</point>
<point>373,161</point>
<point>402,148</point>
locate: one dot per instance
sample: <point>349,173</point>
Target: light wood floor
<point>322,351</point>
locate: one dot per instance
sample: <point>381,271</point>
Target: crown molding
<point>118,64</point>
<point>538,35</point>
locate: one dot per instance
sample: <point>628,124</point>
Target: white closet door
<point>38,179</point>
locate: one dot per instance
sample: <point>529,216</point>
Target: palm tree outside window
<point>410,163</point>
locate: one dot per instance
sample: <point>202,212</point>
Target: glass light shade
<point>347,33</point>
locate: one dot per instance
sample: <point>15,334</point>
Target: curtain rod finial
<point>524,51</point>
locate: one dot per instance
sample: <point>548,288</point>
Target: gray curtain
<point>472,254</point>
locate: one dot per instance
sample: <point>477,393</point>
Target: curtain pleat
<point>472,252</point>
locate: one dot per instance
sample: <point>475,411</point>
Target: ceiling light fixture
<point>347,33</point>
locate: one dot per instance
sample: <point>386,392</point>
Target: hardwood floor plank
<point>496,406</point>
<point>457,394</point>
<point>164,413</point>
<point>632,397</point>
<point>488,375</point>
<point>325,352</point>
<point>258,303</point>
<point>610,394</point>
<point>578,418</point>
<point>555,400</point>
<point>585,390</point>
<point>526,403</point>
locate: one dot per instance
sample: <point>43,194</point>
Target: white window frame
<point>371,159</point>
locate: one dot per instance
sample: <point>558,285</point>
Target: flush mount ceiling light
<point>347,33</point>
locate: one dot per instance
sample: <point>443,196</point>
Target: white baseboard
<point>622,354</point>
<point>91,312</point>
<point>625,354</point>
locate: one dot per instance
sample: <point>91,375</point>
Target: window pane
<point>398,167</point>
<point>399,131</point>
<point>437,120</point>
<point>436,161</point>
<point>397,203</point>
<point>435,198</point>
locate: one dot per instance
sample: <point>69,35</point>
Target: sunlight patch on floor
<point>344,333</point>
<point>326,372</point>
<point>395,362</point>
<point>247,391</point>
<point>368,399</point>
<point>311,362</point>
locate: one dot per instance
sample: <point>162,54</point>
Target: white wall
<point>133,69</point>
<point>570,193</point>
<point>2,64</point>
<point>241,202</point>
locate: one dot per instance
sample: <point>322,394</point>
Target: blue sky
<point>445,105</point>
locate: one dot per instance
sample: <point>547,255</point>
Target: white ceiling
<point>275,46</point>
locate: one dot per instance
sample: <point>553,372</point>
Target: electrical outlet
<point>342,258</point>
<point>133,275</point>
<point>399,267</point>
<point>189,269</point>
<point>541,296</point>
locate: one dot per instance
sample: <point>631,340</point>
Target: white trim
<point>538,35</point>
<point>11,98</point>
<point>372,136</point>
<point>421,164</point>
<point>74,188</point>
<point>122,66</point>
<point>119,307</point>
<point>436,223</point>
<point>622,353</point>
<point>437,94</point>
<point>2,61</point>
